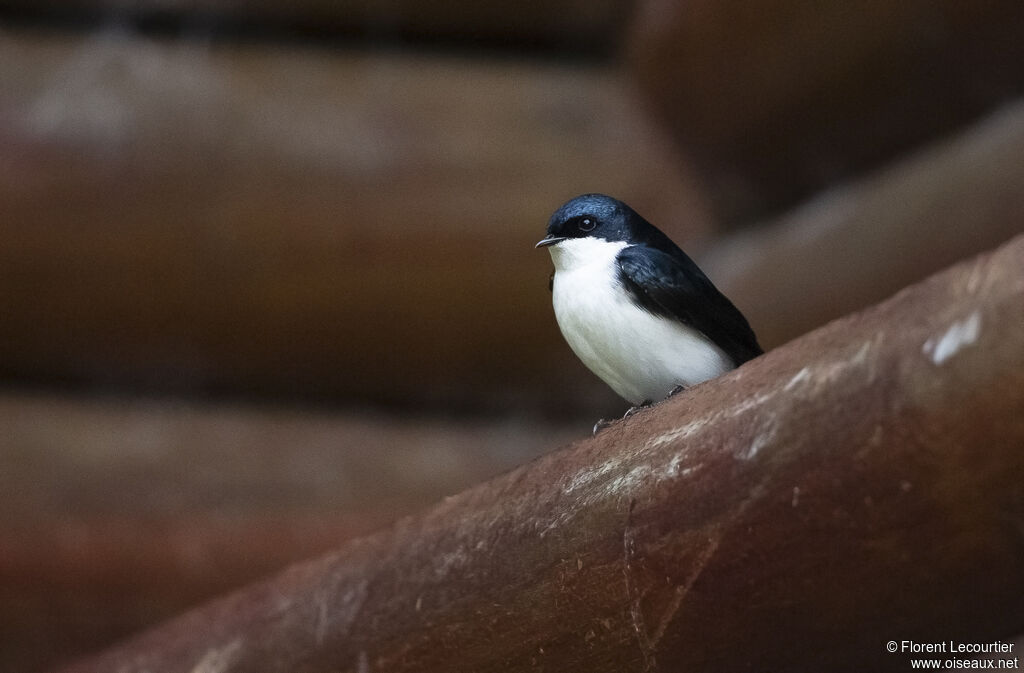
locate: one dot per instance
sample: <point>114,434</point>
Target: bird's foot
<point>602,423</point>
<point>640,407</point>
<point>675,391</point>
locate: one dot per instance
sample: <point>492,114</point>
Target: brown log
<point>587,26</point>
<point>302,223</point>
<point>117,515</point>
<point>858,485</point>
<point>775,100</point>
<point>853,246</point>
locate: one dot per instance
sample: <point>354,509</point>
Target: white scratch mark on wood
<point>799,377</point>
<point>761,440</point>
<point>450,561</point>
<point>321,617</point>
<point>346,608</point>
<point>633,596</point>
<point>588,475</point>
<point>682,432</point>
<point>672,471</point>
<point>959,334</point>
<point>218,659</point>
<point>681,591</point>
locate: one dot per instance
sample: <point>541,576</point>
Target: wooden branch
<point>858,485</point>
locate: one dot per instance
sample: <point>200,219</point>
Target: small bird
<point>634,308</point>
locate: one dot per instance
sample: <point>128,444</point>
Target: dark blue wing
<point>675,287</point>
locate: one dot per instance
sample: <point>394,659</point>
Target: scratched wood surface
<point>858,483</point>
<point>116,514</point>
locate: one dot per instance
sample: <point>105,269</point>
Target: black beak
<point>550,241</point>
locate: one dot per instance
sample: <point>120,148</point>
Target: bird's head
<point>594,216</point>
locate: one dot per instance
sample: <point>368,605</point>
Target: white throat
<point>576,253</point>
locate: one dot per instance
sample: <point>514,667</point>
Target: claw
<point>640,407</point>
<point>675,391</point>
<point>602,423</point>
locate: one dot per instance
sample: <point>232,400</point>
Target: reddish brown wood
<point>300,222</point>
<point>854,245</point>
<point>858,485</point>
<point>775,100</point>
<point>116,515</point>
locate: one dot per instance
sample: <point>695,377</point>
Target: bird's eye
<point>587,224</point>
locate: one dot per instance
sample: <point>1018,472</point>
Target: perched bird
<point>634,308</point>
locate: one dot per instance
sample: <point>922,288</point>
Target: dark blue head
<point>600,216</point>
<point>593,215</point>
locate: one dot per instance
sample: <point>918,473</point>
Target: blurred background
<point>267,276</point>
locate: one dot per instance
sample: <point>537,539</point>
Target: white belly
<point>640,355</point>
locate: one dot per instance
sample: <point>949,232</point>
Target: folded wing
<point>675,287</point>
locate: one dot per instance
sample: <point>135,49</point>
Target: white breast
<point>640,355</point>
